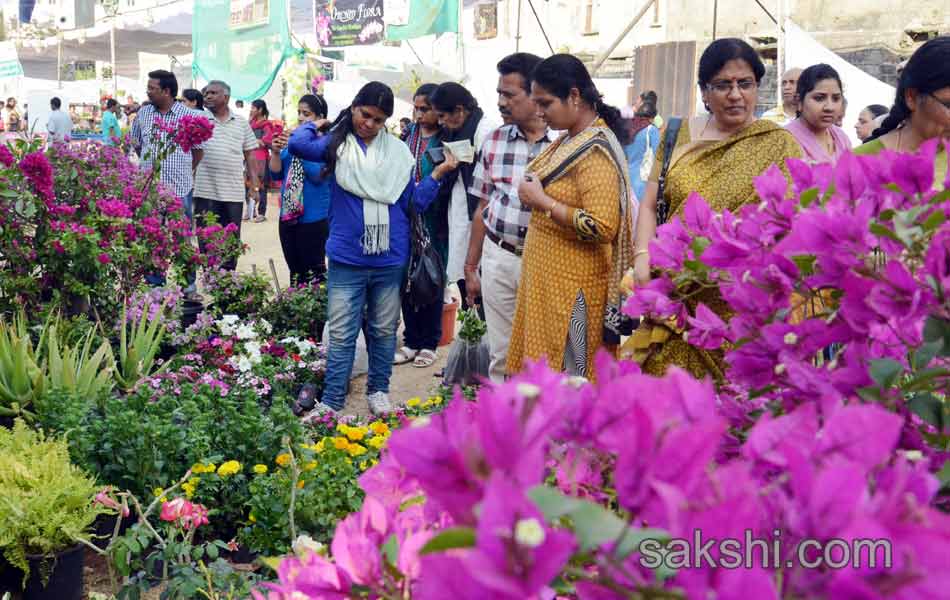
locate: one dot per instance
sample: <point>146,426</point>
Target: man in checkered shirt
<point>497,238</point>
<point>178,168</point>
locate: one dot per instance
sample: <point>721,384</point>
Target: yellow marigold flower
<point>414,402</point>
<point>300,484</point>
<point>318,447</point>
<point>252,518</point>
<point>379,428</point>
<point>364,465</point>
<point>310,466</point>
<point>282,459</point>
<point>260,469</point>
<point>356,450</point>
<point>231,467</point>
<point>377,442</point>
<point>189,489</point>
<point>158,492</point>
<point>197,468</point>
<point>341,443</point>
<point>342,428</point>
<point>356,433</point>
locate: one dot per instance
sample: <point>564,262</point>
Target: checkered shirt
<point>176,170</point>
<point>504,157</point>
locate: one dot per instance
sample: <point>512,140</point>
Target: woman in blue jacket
<point>304,201</point>
<point>371,186</point>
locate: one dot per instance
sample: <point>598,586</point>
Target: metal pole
<point>606,54</point>
<point>59,61</point>
<point>780,52</point>
<point>541,27</point>
<point>715,17</point>
<point>115,75</point>
<point>518,29</point>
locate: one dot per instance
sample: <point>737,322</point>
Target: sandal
<point>404,355</point>
<point>425,358</point>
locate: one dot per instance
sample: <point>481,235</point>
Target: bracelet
<point>472,268</point>
<point>547,213</point>
<point>639,252</point>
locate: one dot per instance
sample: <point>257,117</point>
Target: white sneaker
<point>379,403</point>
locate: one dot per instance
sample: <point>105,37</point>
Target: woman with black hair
<point>864,126</point>
<point>820,102</point>
<point>579,238</point>
<point>644,139</point>
<point>371,186</point>
<point>264,131</point>
<point>718,156</point>
<point>304,201</point>
<point>193,99</point>
<point>921,108</point>
<point>423,324</point>
<point>462,122</point>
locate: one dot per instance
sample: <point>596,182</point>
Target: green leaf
<point>883,231</point>
<point>391,549</point>
<point>935,220</point>
<point>808,197</point>
<point>212,551</point>
<point>929,407</point>
<point>595,525</point>
<point>870,393</point>
<point>923,355</point>
<point>699,245</point>
<point>805,263</point>
<point>923,380</point>
<point>634,537</point>
<point>944,475</point>
<point>885,371</point>
<point>447,539</point>
<point>552,503</point>
<point>271,562</point>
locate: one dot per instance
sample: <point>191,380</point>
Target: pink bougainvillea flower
<point>6,157</point>
<point>311,577</point>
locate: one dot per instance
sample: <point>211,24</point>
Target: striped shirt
<point>176,171</point>
<point>505,155</point>
<point>221,171</point>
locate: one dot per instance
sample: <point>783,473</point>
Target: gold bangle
<point>547,213</point>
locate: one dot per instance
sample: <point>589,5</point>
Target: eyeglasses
<point>724,87</point>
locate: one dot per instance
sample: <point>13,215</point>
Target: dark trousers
<point>423,324</point>
<point>262,193</point>
<point>227,213</point>
<point>304,246</point>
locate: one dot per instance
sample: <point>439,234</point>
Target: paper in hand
<point>462,150</point>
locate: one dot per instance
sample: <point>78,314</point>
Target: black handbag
<point>669,144</point>
<point>425,279</point>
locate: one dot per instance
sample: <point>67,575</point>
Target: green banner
<point>9,61</point>
<point>427,17</point>
<point>241,42</point>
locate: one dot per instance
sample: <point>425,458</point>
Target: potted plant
<point>46,513</point>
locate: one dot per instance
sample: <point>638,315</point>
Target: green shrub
<point>298,311</point>
<point>46,503</point>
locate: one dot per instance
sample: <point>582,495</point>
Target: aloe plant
<point>21,370</point>
<point>77,369</point>
<point>137,349</point>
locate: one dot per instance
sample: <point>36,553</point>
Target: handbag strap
<point>669,143</point>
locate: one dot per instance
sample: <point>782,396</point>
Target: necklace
<point>589,125</point>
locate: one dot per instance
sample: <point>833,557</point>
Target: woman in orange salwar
<point>579,239</point>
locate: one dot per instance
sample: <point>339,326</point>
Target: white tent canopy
<point>861,89</point>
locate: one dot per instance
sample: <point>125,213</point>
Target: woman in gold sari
<point>579,237</point>
<point>717,155</point>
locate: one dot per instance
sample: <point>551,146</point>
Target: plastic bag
<point>468,363</point>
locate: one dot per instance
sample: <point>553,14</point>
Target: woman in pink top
<point>263,130</point>
<point>820,100</point>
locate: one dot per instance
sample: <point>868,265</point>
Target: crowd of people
<point>537,212</point>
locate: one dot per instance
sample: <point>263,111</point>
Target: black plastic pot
<point>104,527</point>
<point>65,579</point>
<point>189,313</point>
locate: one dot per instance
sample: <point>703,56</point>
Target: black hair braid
<point>899,112</point>
<point>342,126</point>
<point>610,114</point>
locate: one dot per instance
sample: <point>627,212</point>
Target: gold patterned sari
<point>569,297</point>
<point>722,172</point>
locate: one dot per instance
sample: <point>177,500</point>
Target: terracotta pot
<point>449,317</point>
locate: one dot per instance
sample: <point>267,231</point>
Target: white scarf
<point>378,176</point>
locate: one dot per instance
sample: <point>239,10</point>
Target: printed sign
<point>486,21</point>
<point>348,22</point>
<point>9,61</point>
<point>249,13</point>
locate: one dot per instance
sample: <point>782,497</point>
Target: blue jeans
<point>349,290</point>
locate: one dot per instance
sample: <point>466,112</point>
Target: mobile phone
<point>436,155</point>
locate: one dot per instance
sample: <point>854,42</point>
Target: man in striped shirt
<point>498,235</point>
<point>219,182</point>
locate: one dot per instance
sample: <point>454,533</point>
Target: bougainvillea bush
<point>826,443</point>
<point>81,226</point>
